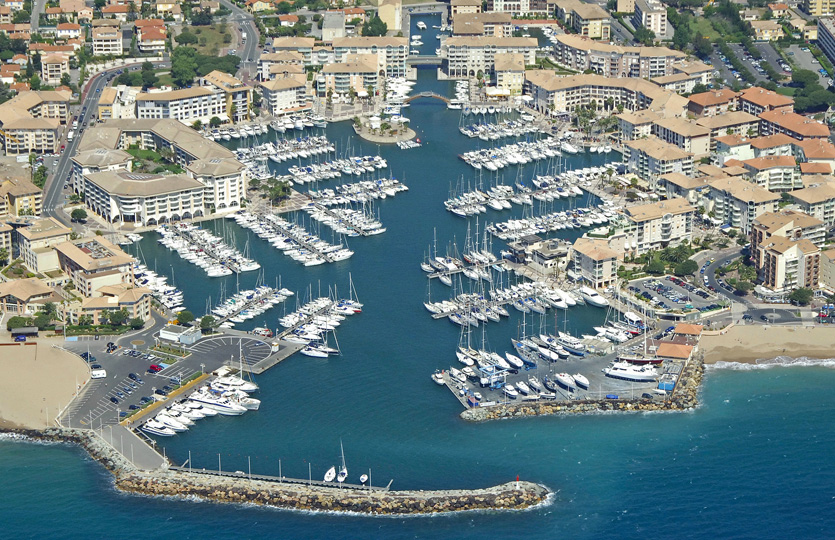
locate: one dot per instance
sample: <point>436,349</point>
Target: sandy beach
<point>748,344</point>
<point>38,380</point>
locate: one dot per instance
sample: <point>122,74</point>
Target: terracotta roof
<point>815,194</point>
<point>816,148</point>
<point>24,289</point>
<point>668,349</point>
<point>814,167</point>
<point>714,97</point>
<point>688,329</point>
<point>658,149</point>
<point>729,119</point>
<point>743,190</point>
<point>769,162</point>
<point>772,141</point>
<point>734,139</point>
<point>595,248</point>
<point>765,98</point>
<point>683,181</point>
<point>774,221</point>
<point>647,212</point>
<point>803,126</point>
<point>68,26</point>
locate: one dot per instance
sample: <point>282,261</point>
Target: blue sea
<point>751,462</point>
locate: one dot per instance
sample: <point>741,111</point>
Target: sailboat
<point>343,471</point>
<point>330,475</point>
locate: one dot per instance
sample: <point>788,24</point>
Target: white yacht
<point>158,428</point>
<point>593,297</point>
<point>234,382</point>
<point>630,372</point>
<point>220,404</point>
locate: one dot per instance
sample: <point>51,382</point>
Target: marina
<point>248,304</point>
<point>204,249</point>
<point>358,192</point>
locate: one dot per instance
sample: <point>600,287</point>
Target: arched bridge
<point>427,95</point>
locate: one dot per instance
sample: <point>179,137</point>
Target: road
<point>37,9</point>
<point>54,198</point>
<point>248,51</point>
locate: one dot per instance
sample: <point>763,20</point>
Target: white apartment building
<point>53,68</point>
<point>97,160</point>
<point>225,180</point>
<point>468,56</point>
<point>580,54</point>
<point>657,225</point>
<point>595,262</point>
<point>817,200</point>
<point>737,202</point>
<point>391,52</point>
<point>774,173</point>
<point>651,158</point>
<point>107,41</point>
<point>519,7</point>
<point>652,15</point>
<point>186,105</point>
<point>283,96</point>
<point>36,241</point>
<point>143,199</point>
<point>237,95</point>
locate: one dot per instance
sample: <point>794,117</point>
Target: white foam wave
<point>780,361</point>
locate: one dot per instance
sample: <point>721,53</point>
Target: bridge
<point>424,60</point>
<point>426,95</point>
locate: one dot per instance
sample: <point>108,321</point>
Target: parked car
<point>153,368</point>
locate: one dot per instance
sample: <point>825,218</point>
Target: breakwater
<point>684,397</point>
<point>242,490</point>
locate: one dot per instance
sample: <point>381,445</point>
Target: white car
<point>98,374</point>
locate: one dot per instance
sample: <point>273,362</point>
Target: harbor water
<point>751,462</point>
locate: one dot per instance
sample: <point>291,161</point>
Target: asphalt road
<point>248,51</point>
<point>37,8</point>
<point>743,56</point>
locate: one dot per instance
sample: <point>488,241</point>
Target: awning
<point>362,93</point>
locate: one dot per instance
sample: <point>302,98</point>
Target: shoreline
<point>759,344</point>
<point>511,496</point>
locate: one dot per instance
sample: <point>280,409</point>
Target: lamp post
<point>202,367</point>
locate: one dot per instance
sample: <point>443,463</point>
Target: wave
<point>780,361</point>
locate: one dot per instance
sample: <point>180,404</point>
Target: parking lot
<point>673,293</point>
<point>718,65</point>
<point>804,59</point>
<point>749,62</point>
<point>131,382</point>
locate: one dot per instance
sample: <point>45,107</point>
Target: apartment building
<point>767,30</point>
<point>391,13</point>
<point>287,59</point>
<point>658,225</point>
<point>713,102</point>
<point>143,199</point>
<point>187,105</point>
<point>97,160</point>
<point>774,173</point>
<point>580,54</point>
<point>457,7</point>
<point>94,262</point>
<point>31,121</point>
<point>737,122</point>
<point>237,95</point>
<point>358,75</point>
<point>685,134</point>
<point>819,8</point>
<point>53,67</point>
<point>787,224</point>
<point>391,52</point>
<point>678,185</point>
<point>814,151</point>
<point>465,57</point>
<point>652,15</point>
<point>636,125</point>
<point>553,93</point>
<point>36,241</point>
<point>509,71</point>
<point>588,20</point>
<point>18,197</point>
<point>686,75</point>
<point>225,179</point>
<point>135,300</point>
<point>818,201</point>
<point>482,24</point>
<point>737,202</point>
<point>595,262</point>
<point>25,296</point>
<point>284,96</point>
<point>107,40</point>
<point>756,100</point>
<point>792,124</point>
<point>301,45</point>
<point>651,158</point>
<point>520,7</point>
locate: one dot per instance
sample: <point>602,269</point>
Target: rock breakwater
<point>178,483</point>
<point>684,397</point>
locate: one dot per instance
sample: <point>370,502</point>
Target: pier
<point>263,295</point>
<point>339,216</point>
<point>300,239</point>
<point>283,479</point>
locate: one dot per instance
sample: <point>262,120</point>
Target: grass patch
<point>786,90</point>
<point>18,270</point>
<point>149,155</point>
<point>209,40</point>
<point>165,78</point>
<point>703,27</point>
<point>90,330</point>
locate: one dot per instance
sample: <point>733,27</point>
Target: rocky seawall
<point>684,397</point>
<point>509,496</point>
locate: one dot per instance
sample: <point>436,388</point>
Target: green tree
<point>149,78</point>
<point>65,79</point>
<point>197,125</point>
<point>185,317</point>
<point>656,267</point>
<point>118,318</point>
<point>183,65</point>
<point>50,309</point>
<point>41,320</point>
<point>79,214</point>
<point>17,322</point>
<point>802,296</point>
<point>136,323</point>
<point>35,82</point>
<point>685,268</point>
<point>4,255</point>
<point>186,38</point>
<point>743,287</point>
<point>206,323</point>
<point>375,27</point>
